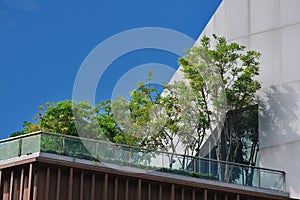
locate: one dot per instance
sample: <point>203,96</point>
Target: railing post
<point>129,157</point>
<point>259,181</point>
<point>96,151</point>
<point>63,146</point>
<point>199,165</point>
<point>20,147</point>
<point>284,183</point>
<point>209,157</point>
<point>162,161</point>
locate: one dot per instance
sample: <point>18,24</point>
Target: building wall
<point>271,27</point>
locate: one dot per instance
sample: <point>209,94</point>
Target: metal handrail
<point>22,138</point>
<point>141,149</point>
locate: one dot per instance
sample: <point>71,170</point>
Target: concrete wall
<point>271,27</point>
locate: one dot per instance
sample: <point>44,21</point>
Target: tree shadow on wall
<point>278,131</point>
<point>278,106</point>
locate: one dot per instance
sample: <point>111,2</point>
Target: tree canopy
<point>220,84</point>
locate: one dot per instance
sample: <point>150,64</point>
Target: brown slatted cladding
<point>58,182</point>
<point>6,187</point>
<point>16,184</point>
<point>149,192</point>
<point>126,189</point>
<point>226,197</point>
<point>116,188</point>
<point>25,185</point>
<point>172,194</point>
<point>81,186</point>
<point>36,184</point>
<point>21,189</point>
<point>29,181</point>
<point>105,187</point>
<point>144,190</point>
<point>205,194</point>
<point>76,184</point>
<point>160,192</point>
<point>132,189</point>
<point>193,195</point>
<point>87,184</point>
<point>139,189</point>
<point>54,182</point>
<point>11,183</point>
<point>111,186</point>
<point>47,184</point>
<point>93,187</point>
<point>70,184</point>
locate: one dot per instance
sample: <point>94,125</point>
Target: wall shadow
<point>279,131</point>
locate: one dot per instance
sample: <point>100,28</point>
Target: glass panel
<point>271,180</point>
<point>213,171</point>
<point>249,177</point>
<point>75,148</point>
<point>31,144</point>
<point>9,149</point>
<point>104,152</point>
<point>51,144</point>
<point>156,161</point>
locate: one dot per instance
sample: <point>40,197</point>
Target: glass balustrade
<point>111,153</point>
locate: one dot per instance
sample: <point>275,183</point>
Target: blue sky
<point>43,43</point>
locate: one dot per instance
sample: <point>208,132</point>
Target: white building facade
<point>271,27</point>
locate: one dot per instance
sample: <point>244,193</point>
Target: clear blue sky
<point>43,43</point>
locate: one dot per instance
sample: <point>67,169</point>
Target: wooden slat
<point>81,185</point>
<point>182,194</point>
<point>215,196</point>
<point>11,184</point>
<point>139,189</point>
<point>172,192</point>
<point>226,197</point>
<point>47,183</point>
<point>29,181</point>
<point>205,194</point>
<point>193,194</point>
<point>126,189</point>
<point>93,187</point>
<point>105,188</point>
<point>116,189</point>
<point>35,185</point>
<point>21,184</point>
<point>237,197</point>
<point>149,191</point>
<point>5,189</point>
<point>160,192</point>
<point>185,183</point>
<point>58,184</point>
<point>70,184</point>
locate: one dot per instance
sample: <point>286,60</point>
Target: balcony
<point>113,155</point>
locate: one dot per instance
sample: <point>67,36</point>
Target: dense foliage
<point>220,83</point>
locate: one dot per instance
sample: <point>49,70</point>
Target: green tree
<point>220,86</point>
<point>65,117</point>
<point>223,77</point>
<point>134,117</point>
<point>28,127</point>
